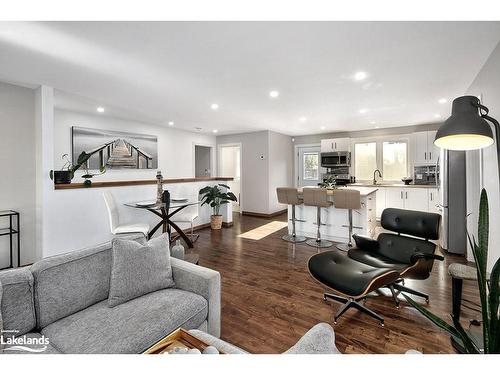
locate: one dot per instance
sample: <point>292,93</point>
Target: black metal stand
<point>10,231</point>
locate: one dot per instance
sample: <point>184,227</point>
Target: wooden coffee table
<point>180,338</point>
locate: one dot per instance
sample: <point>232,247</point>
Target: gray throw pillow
<point>139,269</point>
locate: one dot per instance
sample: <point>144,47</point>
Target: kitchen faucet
<point>374,178</point>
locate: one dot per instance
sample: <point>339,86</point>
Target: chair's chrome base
<point>319,243</point>
<point>293,238</point>
<point>351,302</point>
<point>401,288</point>
<point>344,246</point>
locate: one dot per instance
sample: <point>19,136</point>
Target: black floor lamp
<point>467,129</point>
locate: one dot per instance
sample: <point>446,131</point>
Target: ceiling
<point>158,72</point>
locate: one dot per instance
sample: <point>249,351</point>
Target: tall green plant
<point>489,292</point>
<point>215,197</point>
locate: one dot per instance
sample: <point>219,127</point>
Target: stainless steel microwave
<point>335,159</point>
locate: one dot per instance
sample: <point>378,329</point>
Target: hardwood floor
<point>269,300</point>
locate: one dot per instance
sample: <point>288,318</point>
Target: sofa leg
<point>403,288</point>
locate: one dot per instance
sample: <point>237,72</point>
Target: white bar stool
<point>317,197</point>
<point>350,200</point>
<point>114,219</point>
<point>290,196</point>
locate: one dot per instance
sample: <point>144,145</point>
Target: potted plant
<point>215,197</point>
<point>489,293</point>
<point>67,172</point>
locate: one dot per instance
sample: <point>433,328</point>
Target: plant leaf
<point>469,344</point>
<point>494,304</point>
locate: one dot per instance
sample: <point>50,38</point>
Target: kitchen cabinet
<point>434,201</point>
<point>335,145</point>
<point>407,198</point>
<point>424,151</point>
<point>380,199</point>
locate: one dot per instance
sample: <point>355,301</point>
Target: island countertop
<point>363,190</point>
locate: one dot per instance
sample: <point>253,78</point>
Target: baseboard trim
<point>225,224</point>
<point>267,216</point>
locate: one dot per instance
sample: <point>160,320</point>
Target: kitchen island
<point>336,220</point>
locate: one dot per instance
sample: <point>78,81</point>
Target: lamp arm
<point>483,110</point>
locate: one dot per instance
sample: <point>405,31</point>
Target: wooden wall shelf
<point>103,184</point>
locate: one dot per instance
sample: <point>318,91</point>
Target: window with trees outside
<point>365,160</point>
<point>394,160</point>
<point>311,166</point>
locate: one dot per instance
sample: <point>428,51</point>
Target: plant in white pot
<point>215,197</point>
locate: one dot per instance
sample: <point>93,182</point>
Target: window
<point>311,166</point>
<point>365,160</point>
<point>394,160</point>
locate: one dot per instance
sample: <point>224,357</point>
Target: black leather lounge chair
<point>385,262</point>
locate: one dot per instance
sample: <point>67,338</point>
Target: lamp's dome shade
<point>465,129</point>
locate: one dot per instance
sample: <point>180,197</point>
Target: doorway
<point>230,166</point>
<point>307,165</point>
<point>202,161</point>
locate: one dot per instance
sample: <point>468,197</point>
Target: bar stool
<point>290,196</point>
<point>317,197</point>
<point>350,200</point>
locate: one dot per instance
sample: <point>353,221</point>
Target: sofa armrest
<point>365,243</point>
<point>202,281</point>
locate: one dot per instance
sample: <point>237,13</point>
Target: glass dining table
<point>165,212</point>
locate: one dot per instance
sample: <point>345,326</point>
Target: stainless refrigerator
<point>452,191</point>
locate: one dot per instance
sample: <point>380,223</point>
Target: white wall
<point>280,167</point>
<point>254,170</point>
<point>17,155</point>
<point>175,147</point>
<point>487,84</point>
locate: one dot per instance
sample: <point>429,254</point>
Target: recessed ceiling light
<point>359,76</point>
<point>437,115</point>
<point>274,94</point>
<point>303,119</point>
<point>372,122</point>
<point>376,127</point>
<point>363,111</point>
<point>100,109</point>
<point>323,127</point>
<point>170,123</point>
<point>214,106</point>
<point>442,100</point>
<point>214,131</point>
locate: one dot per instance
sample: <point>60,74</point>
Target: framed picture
<point>115,149</point>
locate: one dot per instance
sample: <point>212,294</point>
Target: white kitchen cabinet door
<point>394,198</point>
<point>432,150</point>
<point>342,144</point>
<point>416,199</point>
<point>433,199</point>
<point>380,201</point>
<point>420,155</point>
<point>327,145</point>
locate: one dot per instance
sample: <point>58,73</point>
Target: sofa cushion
<point>138,270</point>
<point>17,306</point>
<point>131,327</point>
<point>67,283</point>
<point>36,348</point>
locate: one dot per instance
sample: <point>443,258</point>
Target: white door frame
<point>213,167</point>
<point>296,162</point>
<point>219,153</point>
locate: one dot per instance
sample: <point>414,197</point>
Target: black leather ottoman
<point>351,279</point>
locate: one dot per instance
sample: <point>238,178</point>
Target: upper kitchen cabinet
<point>424,151</point>
<point>334,145</point>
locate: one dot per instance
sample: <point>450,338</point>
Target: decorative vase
<point>62,177</point>
<point>159,187</point>
<point>216,222</point>
<point>177,250</point>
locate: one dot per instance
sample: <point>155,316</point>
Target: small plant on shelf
<point>67,171</point>
<point>330,183</point>
<point>215,197</point>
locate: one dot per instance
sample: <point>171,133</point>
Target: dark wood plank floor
<point>269,300</point>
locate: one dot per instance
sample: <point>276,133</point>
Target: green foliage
<point>215,197</point>
<point>81,161</point>
<point>489,292</point>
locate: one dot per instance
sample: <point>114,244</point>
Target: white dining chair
<point>114,219</point>
<point>188,215</point>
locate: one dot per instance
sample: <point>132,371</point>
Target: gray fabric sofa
<point>64,298</point>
